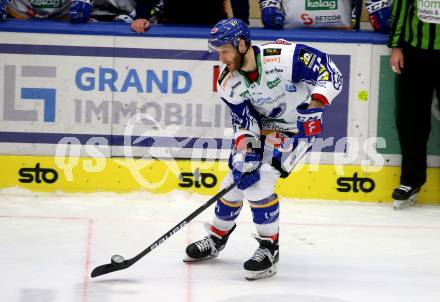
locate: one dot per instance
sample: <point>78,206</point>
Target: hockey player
<point>3,12</point>
<point>26,9</point>
<point>277,93</point>
<point>277,14</point>
<point>77,11</point>
<point>183,12</point>
<point>114,10</point>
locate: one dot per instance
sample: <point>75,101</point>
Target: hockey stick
<point>123,264</point>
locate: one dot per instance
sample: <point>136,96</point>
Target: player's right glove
<point>3,12</point>
<point>80,11</point>
<point>246,169</point>
<point>309,121</point>
<point>271,14</point>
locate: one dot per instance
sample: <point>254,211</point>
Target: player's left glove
<point>289,150</point>
<point>80,11</point>
<point>271,14</point>
<point>309,121</point>
<point>246,169</point>
<point>3,12</point>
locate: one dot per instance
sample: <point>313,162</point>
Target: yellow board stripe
<point>37,173</point>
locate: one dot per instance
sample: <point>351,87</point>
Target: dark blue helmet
<point>229,31</point>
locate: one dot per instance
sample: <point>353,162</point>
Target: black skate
<point>405,196</point>
<point>263,263</point>
<point>207,248</point>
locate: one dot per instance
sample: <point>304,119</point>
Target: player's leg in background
<point>226,211</point>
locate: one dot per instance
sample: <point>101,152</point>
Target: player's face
<point>229,55</point>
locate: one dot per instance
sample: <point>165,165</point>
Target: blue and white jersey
<point>288,75</point>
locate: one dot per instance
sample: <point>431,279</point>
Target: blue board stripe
<point>115,140</point>
<point>191,32</point>
<point>111,52</point>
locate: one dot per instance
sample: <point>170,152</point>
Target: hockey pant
<point>262,199</point>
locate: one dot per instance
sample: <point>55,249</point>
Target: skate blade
<point>402,204</point>
<point>255,275</point>
<point>188,259</point>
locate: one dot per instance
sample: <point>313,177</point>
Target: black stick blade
<point>109,268</point>
<point>112,267</point>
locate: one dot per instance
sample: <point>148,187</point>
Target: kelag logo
<point>47,95</point>
<point>355,183</point>
<point>37,175</point>
<point>197,179</point>
<point>321,4</point>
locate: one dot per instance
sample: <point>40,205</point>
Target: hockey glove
<point>271,14</point>
<point>309,121</point>
<point>80,11</point>
<point>3,12</point>
<point>245,169</point>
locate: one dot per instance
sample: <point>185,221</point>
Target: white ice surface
<point>329,251</point>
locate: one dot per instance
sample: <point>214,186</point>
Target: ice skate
<point>263,263</point>
<point>405,196</point>
<point>207,248</point>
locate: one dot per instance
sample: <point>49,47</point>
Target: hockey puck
<point>117,259</point>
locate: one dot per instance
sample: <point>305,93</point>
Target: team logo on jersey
<point>283,42</point>
<point>312,128</point>
<point>278,41</point>
<point>335,76</point>
<point>272,60</point>
<point>290,87</point>
<point>233,88</point>
<point>274,83</point>
<point>271,52</point>
<point>306,57</point>
<point>263,100</point>
<point>323,74</point>
<point>236,85</point>
<point>270,71</point>
<point>278,111</point>
<point>337,81</point>
<point>245,95</point>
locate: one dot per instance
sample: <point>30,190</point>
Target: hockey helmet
<point>229,31</point>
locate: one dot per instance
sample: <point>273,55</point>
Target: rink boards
<point>100,95</point>
<point>331,182</point>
